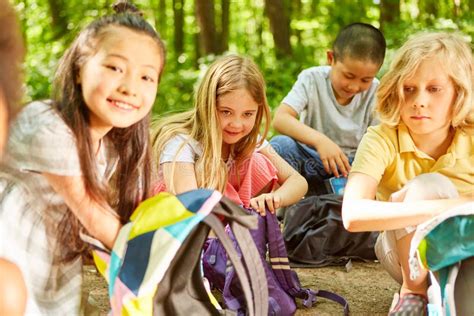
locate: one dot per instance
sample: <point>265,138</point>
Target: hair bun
<point>124,6</point>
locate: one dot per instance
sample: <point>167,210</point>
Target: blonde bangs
<point>456,57</point>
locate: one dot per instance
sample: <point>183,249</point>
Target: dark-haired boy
<point>328,110</point>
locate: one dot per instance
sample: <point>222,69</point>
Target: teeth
<point>123,105</point>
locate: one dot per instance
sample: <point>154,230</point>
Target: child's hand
<point>333,157</point>
<point>271,200</point>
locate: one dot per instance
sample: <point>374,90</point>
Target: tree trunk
<point>160,18</point>
<point>389,12</point>
<point>431,7</point>
<point>58,18</point>
<point>297,12</point>
<point>178,13</point>
<point>314,7</point>
<point>280,26</point>
<point>225,19</point>
<point>197,50</point>
<point>207,26</point>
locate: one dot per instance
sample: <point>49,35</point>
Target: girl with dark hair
<point>78,165</point>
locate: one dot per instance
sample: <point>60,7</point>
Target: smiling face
<point>237,112</point>
<point>120,80</point>
<point>350,76</point>
<point>429,96</point>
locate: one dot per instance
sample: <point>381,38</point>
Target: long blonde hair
<point>225,75</point>
<point>456,55</point>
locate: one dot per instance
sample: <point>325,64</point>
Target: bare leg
<point>424,187</point>
<point>420,284</point>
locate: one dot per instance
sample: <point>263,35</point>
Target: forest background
<point>282,36</point>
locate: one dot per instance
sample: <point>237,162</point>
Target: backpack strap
<point>258,282</point>
<point>287,277</point>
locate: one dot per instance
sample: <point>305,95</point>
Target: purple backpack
<point>283,283</point>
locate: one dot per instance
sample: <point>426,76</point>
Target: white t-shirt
<point>191,151</point>
<point>312,97</point>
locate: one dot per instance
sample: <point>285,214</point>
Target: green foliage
<point>314,25</point>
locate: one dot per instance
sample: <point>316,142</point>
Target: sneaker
<point>410,305</point>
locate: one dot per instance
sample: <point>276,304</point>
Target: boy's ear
<point>330,57</point>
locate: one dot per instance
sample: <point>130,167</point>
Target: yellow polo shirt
<point>390,156</point>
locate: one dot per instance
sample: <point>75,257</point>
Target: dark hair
<point>131,180</point>
<point>11,56</point>
<point>360,41</point>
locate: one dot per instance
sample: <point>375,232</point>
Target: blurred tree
<point>266,30</point>
<point>160,17</point>
<point>58,18</point>
<point>280,26</point>
<point>207,26</point>
<point>178,13</point>
<point>213,38</point>
<point>297,14</point>
<point>389,12</point>
<point>225,24</point>
<point>429,11</point>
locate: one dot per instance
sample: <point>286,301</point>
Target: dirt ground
<point>367,287</point>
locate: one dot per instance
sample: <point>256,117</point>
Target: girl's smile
<point>119,81</point>
<point>237,112</point>
<point>123,105</point>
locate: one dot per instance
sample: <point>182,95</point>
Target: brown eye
<point>114,68</point>
<point>434,89</point>
<point>148,78</point>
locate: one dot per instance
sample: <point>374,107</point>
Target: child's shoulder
<point>39,123</point>
<point>316,72</point>
<point>383,133</point>
<point>180,138</point>
<point>39,115</point>
<point>40,140</point>
<point>317,76</point>
<point>182,148</point>
<point>464,142</point>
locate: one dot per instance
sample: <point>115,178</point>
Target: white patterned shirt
<point>30,209</point>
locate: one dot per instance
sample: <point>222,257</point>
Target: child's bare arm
<point>286,122</point>
<point>179,178</point>
<point>292,185</point>
<point>360,212</point>
<point>99,220</point>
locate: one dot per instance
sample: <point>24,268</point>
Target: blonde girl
<point>218,144</point>
<point>79,164</point>
<point>419,162</point>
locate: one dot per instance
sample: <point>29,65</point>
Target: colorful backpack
<point>283,283</point>
<point>445,246</point>
<point>155,265</point>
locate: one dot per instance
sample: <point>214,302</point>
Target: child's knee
<point>12,289</point>
<point>427,186</point>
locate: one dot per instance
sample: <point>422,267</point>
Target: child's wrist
<point>281,200</point>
